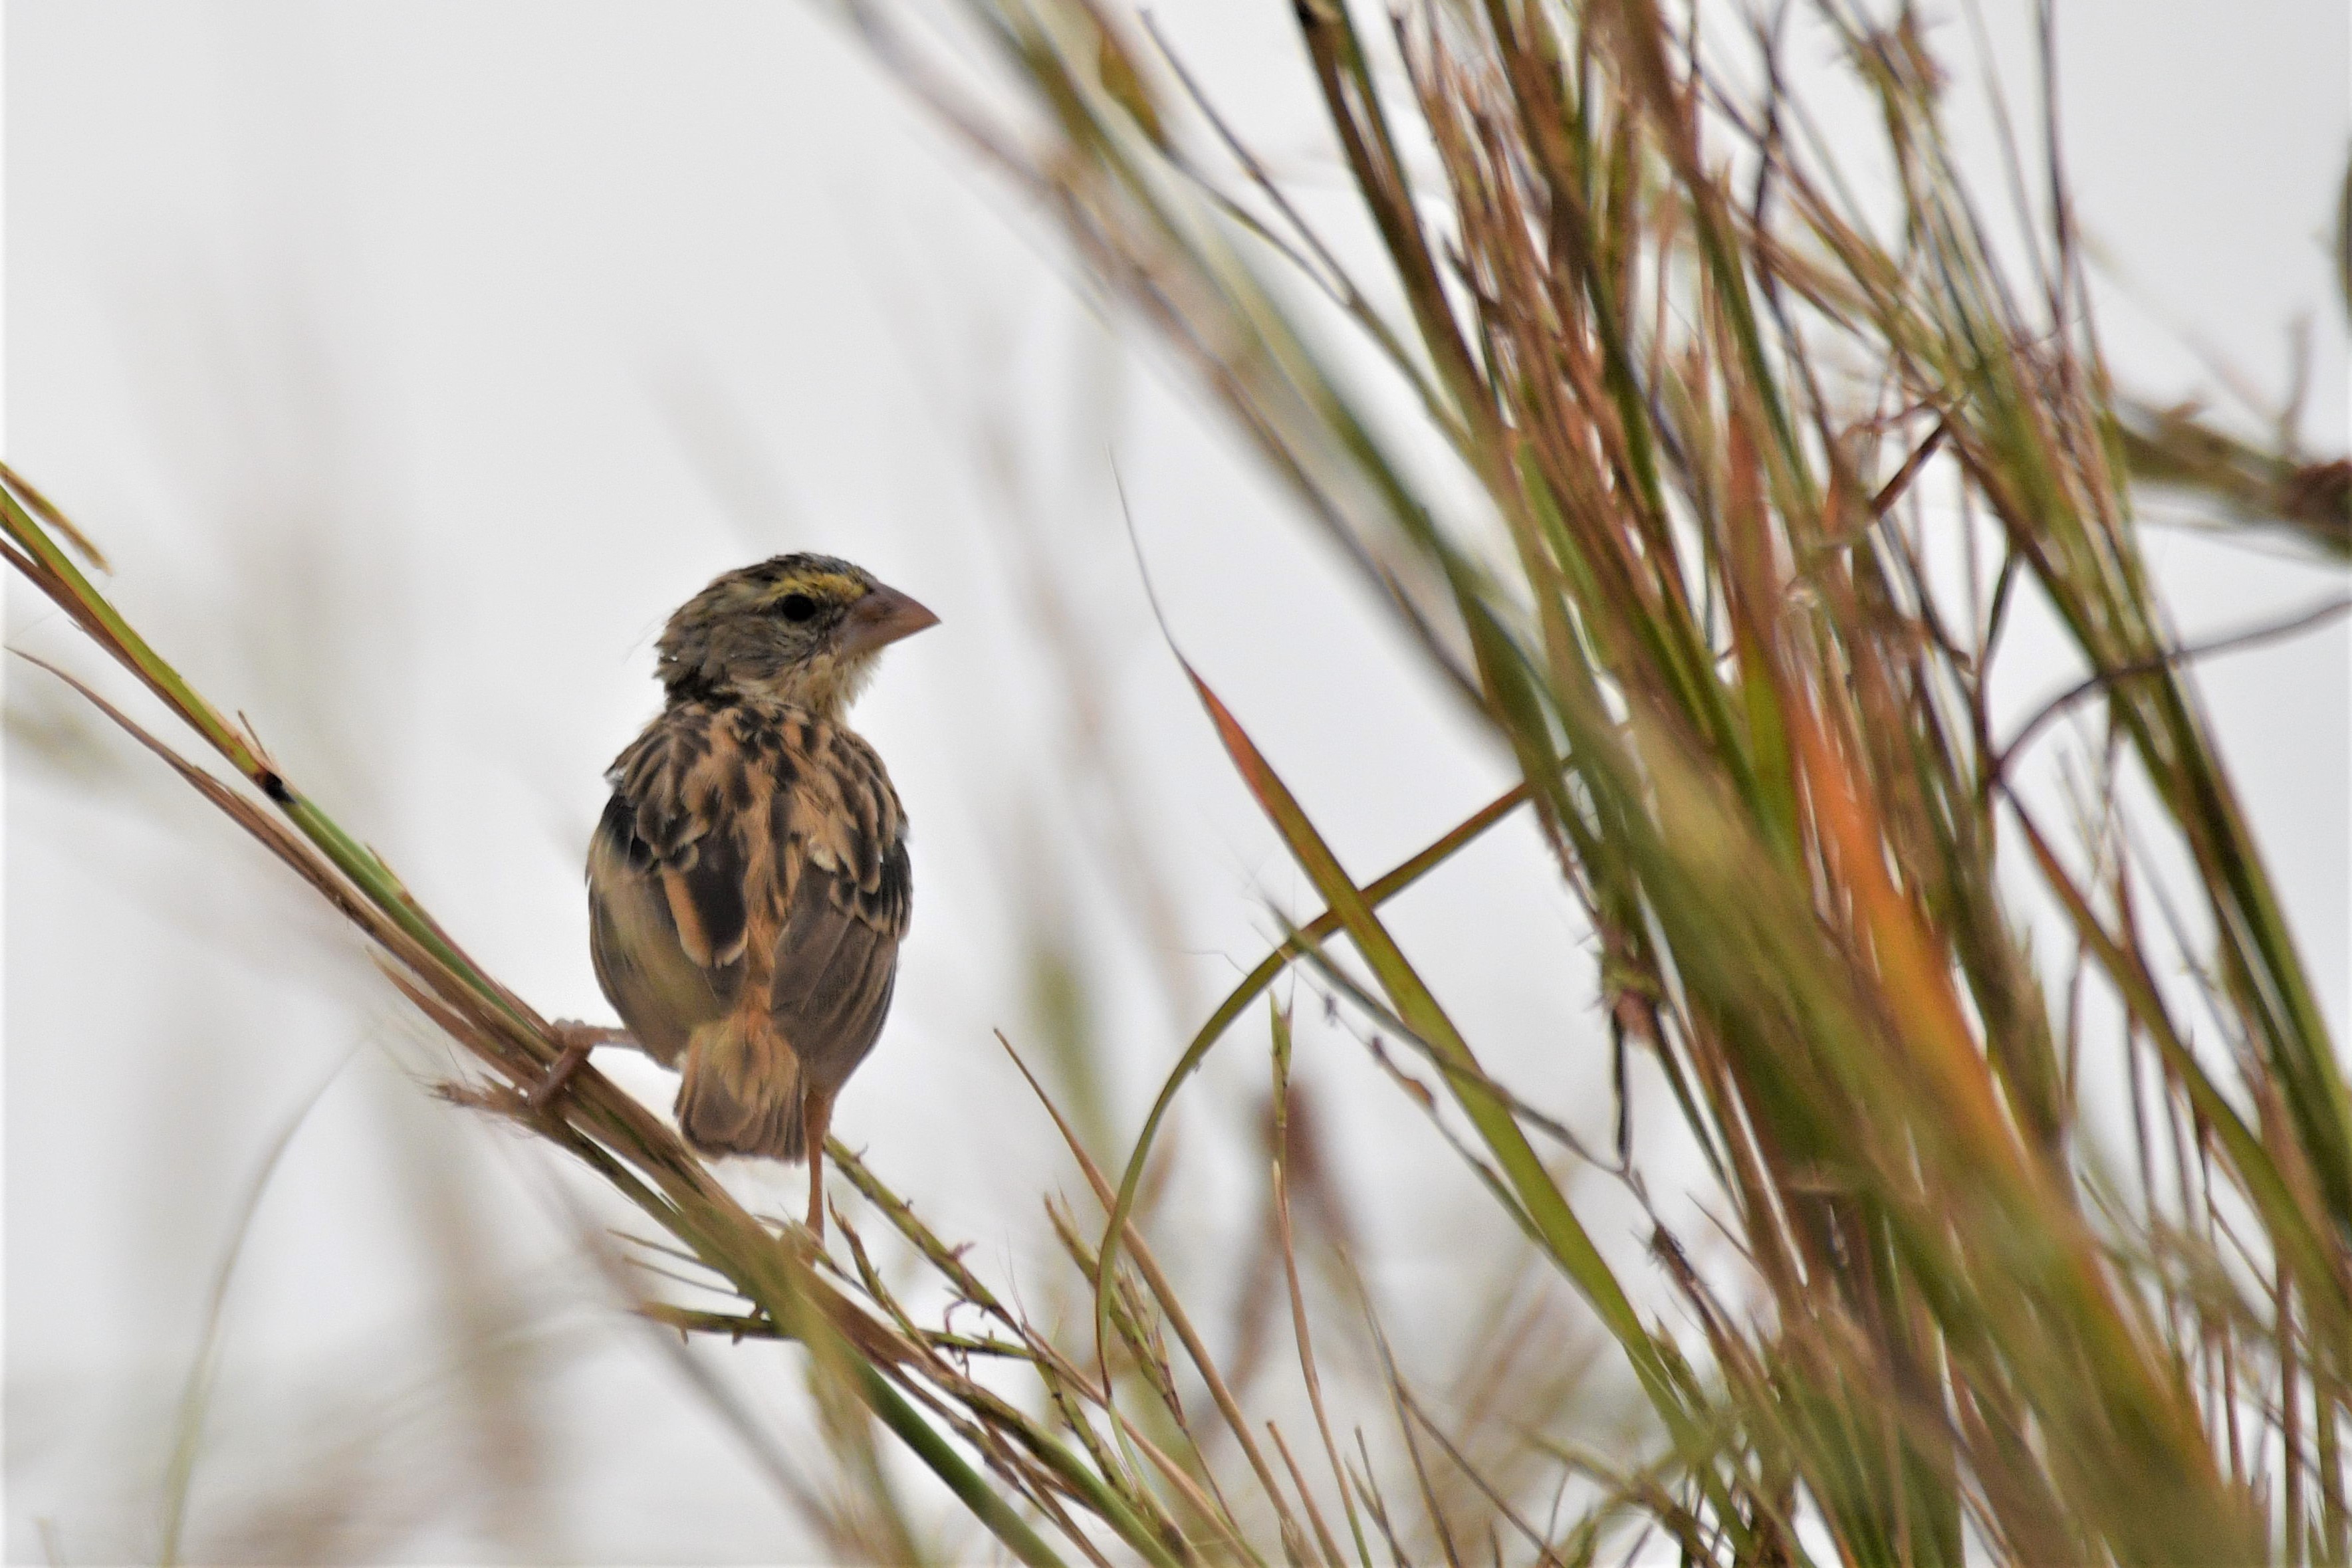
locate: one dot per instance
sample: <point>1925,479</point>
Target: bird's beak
<point>880,619</point>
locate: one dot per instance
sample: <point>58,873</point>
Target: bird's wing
<point>665,898</point>
<point>836,953</point>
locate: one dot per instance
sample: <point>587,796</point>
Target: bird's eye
<point>796,607</point>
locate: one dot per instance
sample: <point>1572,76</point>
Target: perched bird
<point>748,886</point>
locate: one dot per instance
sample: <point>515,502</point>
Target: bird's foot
<point>577,1039</point>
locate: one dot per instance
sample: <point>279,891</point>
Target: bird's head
<point>801,629</point>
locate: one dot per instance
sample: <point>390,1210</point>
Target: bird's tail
<point>740,1093</point>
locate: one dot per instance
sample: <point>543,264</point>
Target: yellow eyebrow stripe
<point>822,585</point>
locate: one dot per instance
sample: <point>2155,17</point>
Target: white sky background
<point>412,362</point>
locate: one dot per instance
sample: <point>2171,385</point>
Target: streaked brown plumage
<point>749,885</point>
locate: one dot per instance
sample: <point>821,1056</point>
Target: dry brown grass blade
<point>1164,1293</point>
<point>1302,1335</point>
<point>43,508</point>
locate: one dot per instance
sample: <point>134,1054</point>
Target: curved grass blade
<point>180,1474</point>
<point>1269,969</point>
<point>1561,1236</point>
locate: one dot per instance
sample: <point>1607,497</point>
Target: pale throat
<point>823,685</point>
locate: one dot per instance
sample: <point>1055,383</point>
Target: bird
<point>749,884</point>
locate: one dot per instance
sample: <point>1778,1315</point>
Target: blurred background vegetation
<point>1869,1090</point>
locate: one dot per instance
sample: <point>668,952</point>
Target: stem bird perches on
<point>616,1137</point>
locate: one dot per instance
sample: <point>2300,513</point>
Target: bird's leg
<point>816,1115</point>
<point>579,1038</point>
